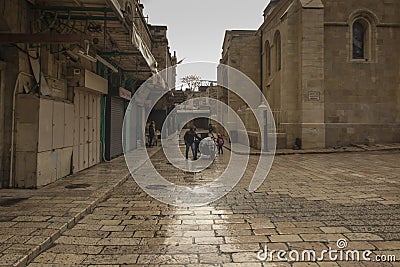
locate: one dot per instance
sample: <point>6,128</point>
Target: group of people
<point>192,139</point>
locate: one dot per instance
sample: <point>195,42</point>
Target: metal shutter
<point>117,119</point>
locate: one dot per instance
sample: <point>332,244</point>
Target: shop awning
<point>144,50</point>
<point>110,31</point>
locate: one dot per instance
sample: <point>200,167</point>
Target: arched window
<point>268,58</point>
<point>278,51</point>
<point>362,38</point>
<point>360,41</point>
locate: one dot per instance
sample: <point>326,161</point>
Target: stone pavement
<point>307,203</point>
<point>30,220</point>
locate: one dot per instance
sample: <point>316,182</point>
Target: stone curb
<point>322,151</point>
<point>73,221</point>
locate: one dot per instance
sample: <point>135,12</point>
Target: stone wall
<point>242,51</point>
<point>19,142</point>
<point>328,98</point>
<point>293,55</point>
<point>312,75</point>
<point>14,14</point>
<point>161,52</point>
<point>281,87</point>
<point>362,96</point>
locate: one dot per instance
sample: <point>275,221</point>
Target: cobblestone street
<point>307,203</point>
<point>200,133</point>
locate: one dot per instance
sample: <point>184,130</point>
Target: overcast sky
<point>196,28</point>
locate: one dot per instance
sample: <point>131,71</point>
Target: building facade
<point>330,71</point>
<point>67,72</point>
<point>166,64</point>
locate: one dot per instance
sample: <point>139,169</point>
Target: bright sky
<point>196,28</point>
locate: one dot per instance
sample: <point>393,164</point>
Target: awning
<point>136,39</point>
<point>144,50</point>
<point>113,33</point>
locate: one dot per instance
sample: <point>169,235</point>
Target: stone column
<point>312,74</point>
<point>262,112</point>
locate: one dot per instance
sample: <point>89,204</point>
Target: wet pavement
<point>31,220</point>
<point>308,202</point>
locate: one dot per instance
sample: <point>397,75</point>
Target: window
<point>362,39</point>
<point>278,51</point>
<point>359,39</point>
<point>129,9</point>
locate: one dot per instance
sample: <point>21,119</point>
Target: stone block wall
<point>362,96</point>
<point>328,98</point>
<point>242,51</point>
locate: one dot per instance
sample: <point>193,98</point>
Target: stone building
<point>166,64</point>
<point>218,108</point>
<point>329,70</point>
<point>241,50</point>
<point>67,71</point>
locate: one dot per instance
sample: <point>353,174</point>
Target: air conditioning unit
<point>88,80</point>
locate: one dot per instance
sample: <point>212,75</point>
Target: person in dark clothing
<point>220,144</point>
<point>190,142</point>
<point>152,132</point>
<point>210,129</point>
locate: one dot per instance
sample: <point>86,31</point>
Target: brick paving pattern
<point>30,220</point>
<point>307,202</point>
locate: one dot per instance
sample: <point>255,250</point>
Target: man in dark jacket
<point>152,132</point>
<point>190,142</point>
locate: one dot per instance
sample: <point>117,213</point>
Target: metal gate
<point>116,117</point>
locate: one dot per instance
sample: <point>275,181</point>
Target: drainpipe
<point>11,178</point>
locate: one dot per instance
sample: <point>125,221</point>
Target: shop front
<point>117,103</point>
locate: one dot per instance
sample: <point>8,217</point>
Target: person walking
<point>152,132</point>
<point>190,142</point>
<point>220,144</point>
<point>210,129</point>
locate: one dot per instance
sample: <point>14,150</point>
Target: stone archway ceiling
<point>113,37</point>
